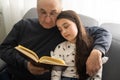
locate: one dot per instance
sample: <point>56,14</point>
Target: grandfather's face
<point>47,12</point>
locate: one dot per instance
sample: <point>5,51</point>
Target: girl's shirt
<point>66,52</point>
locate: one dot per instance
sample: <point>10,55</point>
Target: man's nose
<point>47,19</point>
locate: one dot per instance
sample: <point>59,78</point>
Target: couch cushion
<point>88,21</point>
<point>113,28</point>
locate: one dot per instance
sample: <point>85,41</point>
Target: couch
<point>111,68</point>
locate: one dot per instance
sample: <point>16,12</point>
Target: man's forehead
<point>49,0</point>
<point>50,3</point>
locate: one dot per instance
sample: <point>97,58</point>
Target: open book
<point>43,60</point>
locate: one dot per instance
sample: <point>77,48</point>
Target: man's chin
<point>48,26</point>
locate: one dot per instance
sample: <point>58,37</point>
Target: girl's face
<point>68,29</point>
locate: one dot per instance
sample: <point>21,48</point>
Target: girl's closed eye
<point>63,27</point>
<point>66,26</point>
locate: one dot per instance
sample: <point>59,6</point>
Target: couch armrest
<point>111,68</point>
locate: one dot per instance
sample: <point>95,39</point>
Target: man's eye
<point>54,13</point>
<point>43,12</point>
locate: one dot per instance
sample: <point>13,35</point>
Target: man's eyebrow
<point>53,10</point>
<point>45,10</point>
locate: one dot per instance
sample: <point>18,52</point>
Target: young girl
<point>75,50</point>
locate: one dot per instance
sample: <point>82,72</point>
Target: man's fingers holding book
<point>36,70</point>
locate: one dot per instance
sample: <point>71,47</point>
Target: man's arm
<point>102,41</point>
<point>102,38</point>
<point>7,51</point>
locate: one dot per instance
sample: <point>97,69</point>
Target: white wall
<point>102,10</point>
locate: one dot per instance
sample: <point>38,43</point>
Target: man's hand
<point>36,70</point>
<point>94,62</point>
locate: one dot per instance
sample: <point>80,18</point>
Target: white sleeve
<point>57,70</point>
<point>56,73</point>
<point>58,52</point>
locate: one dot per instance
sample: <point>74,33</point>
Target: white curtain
<point>101,10</point>
<point>13,11</point>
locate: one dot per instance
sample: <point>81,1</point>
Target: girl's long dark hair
<point>83,49</point>
<point>83,43</point>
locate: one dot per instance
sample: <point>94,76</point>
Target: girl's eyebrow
<point>65,23</point>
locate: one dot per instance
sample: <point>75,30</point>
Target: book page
<point>27,52</point>
<point>52,61</point>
